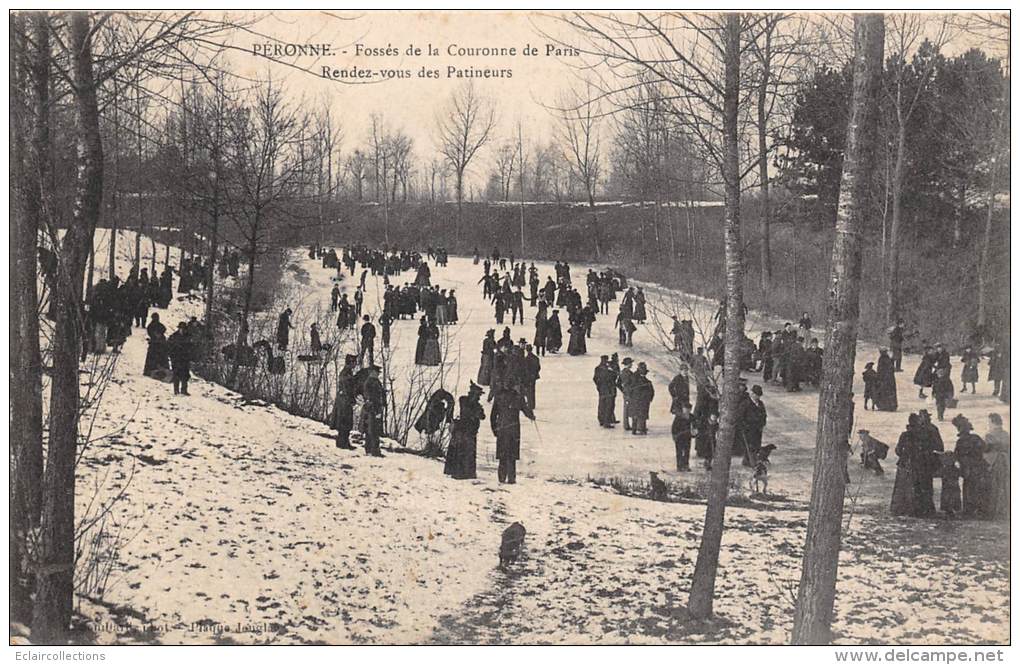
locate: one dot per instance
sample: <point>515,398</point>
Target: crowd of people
<point>789,357</point>
<point>974,476</point>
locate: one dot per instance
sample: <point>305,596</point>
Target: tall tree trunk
<point>703,583</point>
<point>214,239</point>
<point>817,590</point>
<point>596,235</point>
<point>460,205</point>
<point>763,177</point>
<point>55,573</point>
<point>895,230</point>
<point>30,161</point>
<point>985,247</point>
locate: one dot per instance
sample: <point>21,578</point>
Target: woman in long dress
<point>639,306</point>
<point>908,451</point>
<point>885,399</point>
<point>451,308</point>
<point>997,456</point>
<point>554,334</point>
<point>488,351</point>
<point>576,346</point>
<point>419,349</point>
<point>432,356</point>
<point>970,453</point>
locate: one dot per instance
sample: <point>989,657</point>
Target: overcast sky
<point>412,103</point>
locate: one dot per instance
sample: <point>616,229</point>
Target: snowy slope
<point>246,518</point>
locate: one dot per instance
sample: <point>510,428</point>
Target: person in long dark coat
<point>908,448</point>
<point>604,379</point>
<point>970,453</point>
<point>541,329</point>
<point>462,452</point>
<point>682,431</point>
<point>423,334</point>
<point>998,458</point>
<point>930,446</point>
<point>971,360</point>
<point>488,356</point>
<point>885,399</point>
<point>554,334</point>
<point>549,290</point>
<point>706,429</point>
<point>343,406</point>
<point>679,391</point>
<point>641,400</point>
<point>371,413</point>
<point>942,390</point>
<point>432,355</point>
<point>640,313</point>
<point>925,371</point>
<point>506,425</point>
<point>751,419</point>
<point>576,346</point>
<point>179,350</point>
<point>283,328</point>
<point>156,357</point>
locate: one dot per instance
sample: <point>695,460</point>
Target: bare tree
<point>907,84</point>
<point>268,172</point>
<point>30,166</point>
<point>816,595</point>
<point>506,159</point>
<point>464,126</point>
<point>580,135</point>
<point>55,572</point>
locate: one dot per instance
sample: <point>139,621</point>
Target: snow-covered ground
<point>567,442</point>
<point>248,526</point>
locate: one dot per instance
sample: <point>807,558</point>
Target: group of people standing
<point>511,372</point>
<point>981,464</point>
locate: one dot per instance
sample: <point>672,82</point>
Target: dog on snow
<point>511,545</point>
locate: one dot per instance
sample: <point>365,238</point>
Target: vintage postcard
<point>560,327</point>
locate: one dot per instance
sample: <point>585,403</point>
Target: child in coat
<point>870,377</point>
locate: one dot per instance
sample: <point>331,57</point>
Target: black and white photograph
<point>466,327</point>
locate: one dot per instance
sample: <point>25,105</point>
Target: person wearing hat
<point>506,425</point>
<point>682,432</point>
<point>179,350</point>
<point>371,412</point>
<point>896,337</point>
<point>970,450</point>
<point>343,406</point>
<point>367,340</point>
<point>605,383</point>
<point>870,377</point>
<point>625,382</point>
<point>885,388</point>
<point>283,328</point>
<point>642,394</point>
<point>462,451</point>
<point>751,419</point>
<point>925,373</point>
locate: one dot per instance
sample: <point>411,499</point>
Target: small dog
<point>659,491</point>
<point>511,545</point>
<point>760,480</point>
